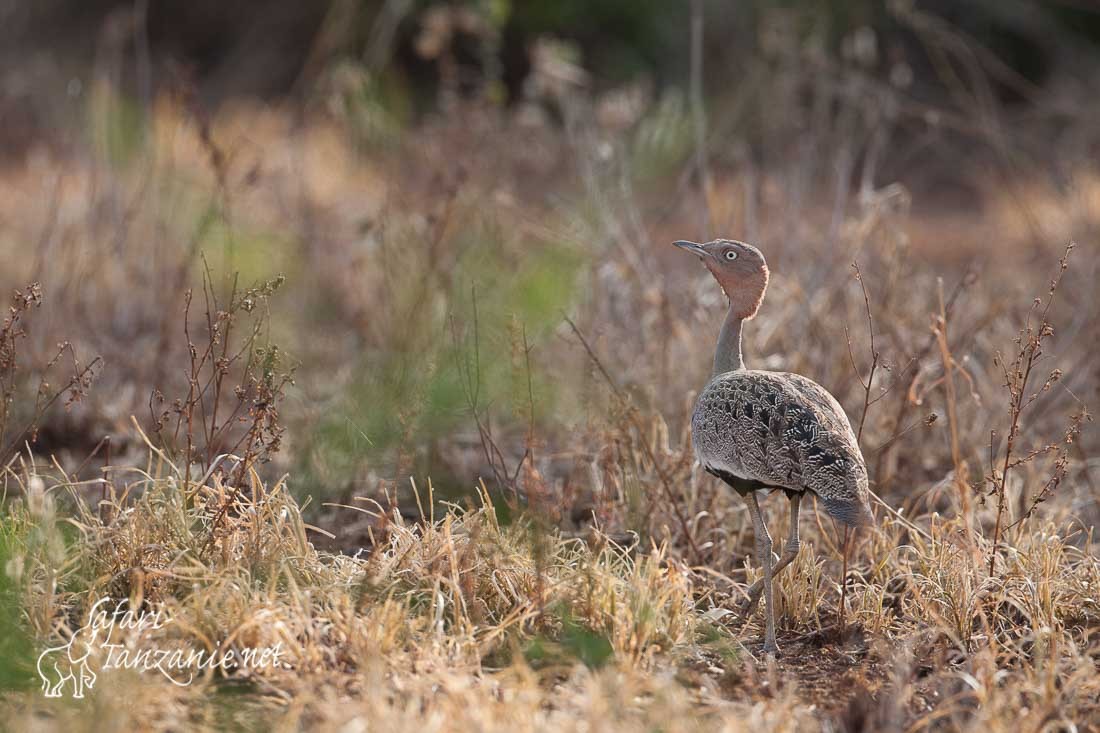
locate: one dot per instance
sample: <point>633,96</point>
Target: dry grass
<point>460,623</point>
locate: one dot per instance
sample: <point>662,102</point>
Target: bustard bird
<point>760,430</point>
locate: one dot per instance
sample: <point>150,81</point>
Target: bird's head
<point>738,267</point>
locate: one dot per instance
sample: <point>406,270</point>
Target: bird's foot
<point>771,648</point>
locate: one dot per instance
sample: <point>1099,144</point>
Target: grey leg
<point>764,556</point>
<point>790,550</point>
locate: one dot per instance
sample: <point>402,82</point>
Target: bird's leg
<point>764,557</point>
<point>790,550</point>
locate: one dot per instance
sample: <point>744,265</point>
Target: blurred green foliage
<point>663,140</point>
<point>18,652</point>
<point>250,254</point>
<point>375,107</point>
<point>117,124</point>
<point>574,642</point>
<point>446,349</point>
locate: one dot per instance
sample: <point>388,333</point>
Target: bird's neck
<point>727,355</point>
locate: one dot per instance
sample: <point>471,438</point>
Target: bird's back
<point>782,430</point>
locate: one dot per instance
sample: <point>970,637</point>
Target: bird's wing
<point>783,430</point>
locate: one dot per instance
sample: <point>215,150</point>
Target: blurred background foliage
<point>388,64</point>
<point>274,48</point>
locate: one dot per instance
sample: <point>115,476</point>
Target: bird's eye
<point>731,255</point>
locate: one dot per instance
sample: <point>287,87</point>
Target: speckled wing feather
<point>785,431</point>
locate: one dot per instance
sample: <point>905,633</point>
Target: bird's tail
<point>853,512</point>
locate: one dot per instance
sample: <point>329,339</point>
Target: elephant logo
<point>69,662</point>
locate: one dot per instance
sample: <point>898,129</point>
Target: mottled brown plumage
<point>785,431</point>
<point>761,430</point>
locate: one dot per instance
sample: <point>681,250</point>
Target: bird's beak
<point>694,248</point>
